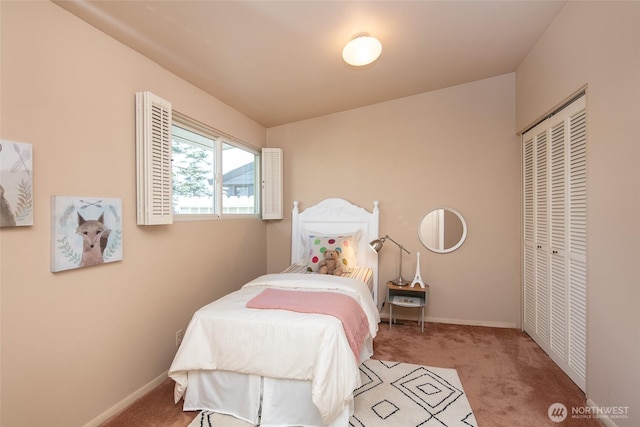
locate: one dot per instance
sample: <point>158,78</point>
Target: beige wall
<point>78,342</point>
<point>454,147</point>
<point>597,44</point>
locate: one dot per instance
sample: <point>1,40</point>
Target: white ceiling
<point>280,61</point>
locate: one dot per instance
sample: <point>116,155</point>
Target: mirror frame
<point>454,247</point>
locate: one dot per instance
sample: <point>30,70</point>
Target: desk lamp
<point>376,246</point>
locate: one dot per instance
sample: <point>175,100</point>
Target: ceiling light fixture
<point>361,50</point>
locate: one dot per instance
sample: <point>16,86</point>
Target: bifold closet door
<point>554,227</point>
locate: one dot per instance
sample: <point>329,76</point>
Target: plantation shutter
<point>153,157</point>
<point>272,183</point>
<point>554,164</point>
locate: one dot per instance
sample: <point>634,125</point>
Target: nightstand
<point>407,296</point>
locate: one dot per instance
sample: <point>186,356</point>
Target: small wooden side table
<point>407,296</point>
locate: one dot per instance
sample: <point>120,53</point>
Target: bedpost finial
<point>295,205</point>
<point>376,204</point>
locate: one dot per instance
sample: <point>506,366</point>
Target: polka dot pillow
<point>345,245</point>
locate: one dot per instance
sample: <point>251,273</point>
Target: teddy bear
<point>331,264</point>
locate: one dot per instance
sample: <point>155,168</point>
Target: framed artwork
<point>16,194</point>
<point>85,231</point>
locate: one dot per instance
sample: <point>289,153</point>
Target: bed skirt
<point>263,401</point>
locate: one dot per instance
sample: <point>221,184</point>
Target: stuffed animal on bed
<point>331,263</point>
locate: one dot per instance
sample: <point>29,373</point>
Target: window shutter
<point>272,183</point>
<point>153,156</point>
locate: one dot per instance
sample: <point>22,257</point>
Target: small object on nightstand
<point>406,301</point>
<point>417,279</point>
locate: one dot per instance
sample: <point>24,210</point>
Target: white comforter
<point>225,335</point>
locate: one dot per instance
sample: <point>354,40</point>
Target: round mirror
<point>442,230</point>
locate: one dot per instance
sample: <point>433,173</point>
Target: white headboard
<point>338,216</point>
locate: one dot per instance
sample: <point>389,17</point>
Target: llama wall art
<point>16,198</point>
<point>85,231</point>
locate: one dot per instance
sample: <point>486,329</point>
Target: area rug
<point>394,394</point>
<point>401,394</point>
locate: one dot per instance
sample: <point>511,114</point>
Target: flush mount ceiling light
<point>362,50</point>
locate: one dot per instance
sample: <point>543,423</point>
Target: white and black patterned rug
<point>394,394</point>
<point>401,394</point>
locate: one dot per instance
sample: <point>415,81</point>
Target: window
<point>213,175</point>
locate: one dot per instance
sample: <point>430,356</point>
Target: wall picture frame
<point>85,231</point>
<point>16,184</point>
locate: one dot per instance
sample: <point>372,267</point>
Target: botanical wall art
<point>16,171</point>
<point>85,231</point>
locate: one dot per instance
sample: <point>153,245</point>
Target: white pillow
<point>345,244</point>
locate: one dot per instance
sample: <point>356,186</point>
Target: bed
<point>291,366</point>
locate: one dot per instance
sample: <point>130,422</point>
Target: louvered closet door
<point>529,276</point>
<point>542,239</point>
<point>577,351</point>
<point>558,237</point>
<point>554,264</point>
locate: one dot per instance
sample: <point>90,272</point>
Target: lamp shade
<point>362,50</point>
<point>376,245</point>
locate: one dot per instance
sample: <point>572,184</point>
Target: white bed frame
<point>338,216</point>
<point>286,401</point>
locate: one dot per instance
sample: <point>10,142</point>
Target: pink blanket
<point>346,309</point>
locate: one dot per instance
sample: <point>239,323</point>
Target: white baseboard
<point>604,420</point>
<point>122,405</point>
<point>460,322</point>
<point>472,322</point>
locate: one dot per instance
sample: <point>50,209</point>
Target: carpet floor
<point>508,380</point>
